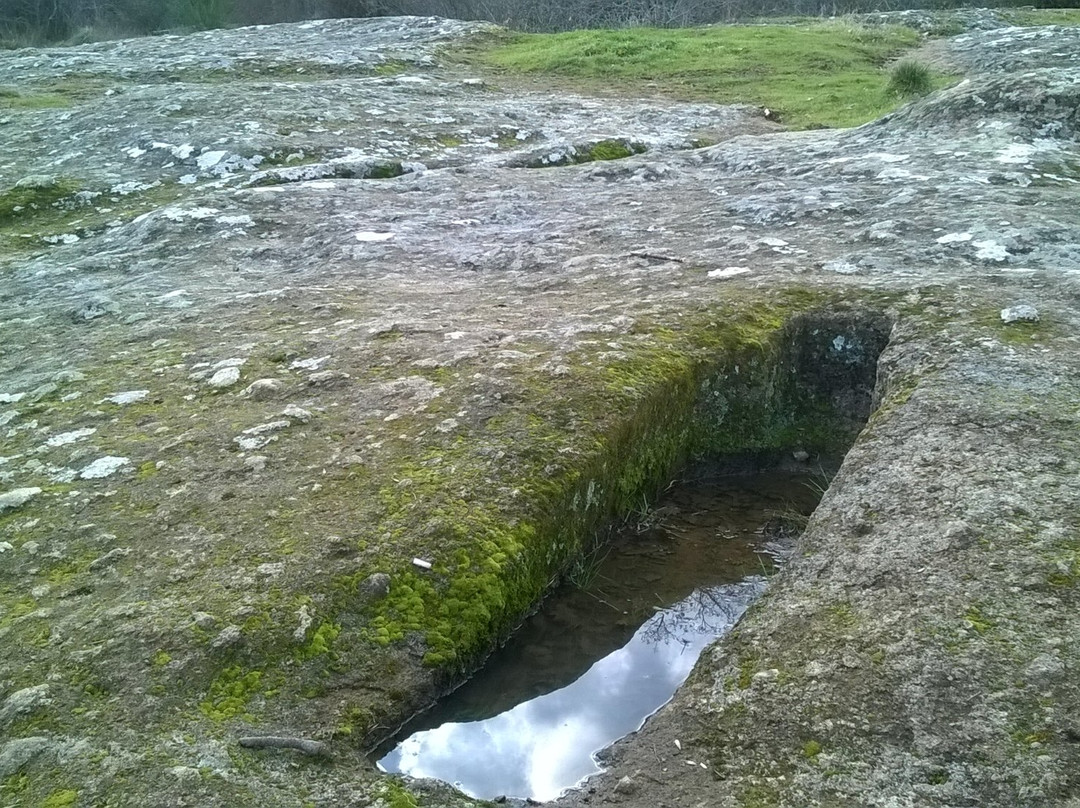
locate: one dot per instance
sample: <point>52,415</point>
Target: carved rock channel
<point>246,402</point>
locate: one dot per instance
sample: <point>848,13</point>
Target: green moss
<point>975,620</point>
<point>21,203</point>
<point>811,749</point>
<point>609,150</point>
<point>18,100</point>
<point>392,67</point>
<point>61,799</point>
<point>321,640</point>
<point>230,692</point>
<point>713,387</point>
<point>160,659</point>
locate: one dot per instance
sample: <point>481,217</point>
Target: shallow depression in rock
<point>599,658</point>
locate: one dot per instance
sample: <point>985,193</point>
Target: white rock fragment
<point>990,251</point>
<point>262,388</point>
<point>17,497</point>
<point>127,397</point>
<point>256,462</point>
<point>954,238</point>
<point>421,563</point>
<point>296,413</point>
<point>305,623</point>
<point>103,467</point>
<point>226,377</point>
<point>370,236</point>
<point>228,636</point>
<point>728,272</point>
<point>64,438</point>
<point>208,160</point>
<point>11,398</point>
<point>23,701</point>
<point>8,416</point>
<point>6,547</point>
<point>308,364</point>
<point>1020,313</point>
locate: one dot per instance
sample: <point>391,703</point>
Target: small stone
<point>93,308</point>
<point>801,455</point>
<point>128,397</point>
<point>18,752</point>
<point>109,558</point>
<point>203,619</point>
<point>262,389</point>
<point>626,786</point>
<point>23,701</point>
<point>375,586</point>
<point>1020,313</point>
<point>229,636</point>
<point>296,413</point>
<point>17,498</point>
<point>6,547</point>
<point>226,377</point>
<point>305,623</point>
<point>256,462</point>
<point>31,548</point>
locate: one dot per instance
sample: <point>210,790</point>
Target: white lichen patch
<point>127,397</point>
<point>64,438</point>
<point>104,467</point>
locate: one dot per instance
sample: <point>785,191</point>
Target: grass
<point>816,74</point>
<point>910,79</point>
<point>1041,16</point>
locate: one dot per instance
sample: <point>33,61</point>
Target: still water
<point>597,660</point>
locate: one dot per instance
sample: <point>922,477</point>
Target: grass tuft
<point>910,79</point>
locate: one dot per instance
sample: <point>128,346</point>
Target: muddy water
<point>598,659</point>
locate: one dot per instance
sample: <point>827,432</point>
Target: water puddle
<point>598,659</point>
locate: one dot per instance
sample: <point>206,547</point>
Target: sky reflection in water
<point>543,746</point>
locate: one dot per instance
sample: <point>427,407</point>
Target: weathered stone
<point>226,377</point>
<point>262,389</point>
<point>228,637</point>
<point>22,702</point>
<point>17,498</point>
<point>1020,313</point>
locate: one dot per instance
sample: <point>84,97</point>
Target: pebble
<point>226,377</point>
<point>1020,313</point>
<point>262,389</point>
<point>296,413</point>
<point>229,636</point>
<point>17,497</point>
<point>203,619</point>
<point>256,462</point>
<point>23,701</point>
<point>110,558</point>
<point>375,586</point>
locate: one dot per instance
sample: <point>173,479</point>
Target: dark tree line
<point>39,21</point>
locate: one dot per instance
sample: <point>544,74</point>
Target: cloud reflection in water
<point>540,748</point>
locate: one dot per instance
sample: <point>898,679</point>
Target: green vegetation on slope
<point>815,74</point>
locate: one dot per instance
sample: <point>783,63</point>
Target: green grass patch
<point>1040,16</point>
<point>814,73</point>
<point>27,200</point>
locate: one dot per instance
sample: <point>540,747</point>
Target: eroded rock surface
<point>248,410</point>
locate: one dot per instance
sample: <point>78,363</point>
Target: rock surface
<point>415,339</point>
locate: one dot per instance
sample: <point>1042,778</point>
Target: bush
<point>910,79</point>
